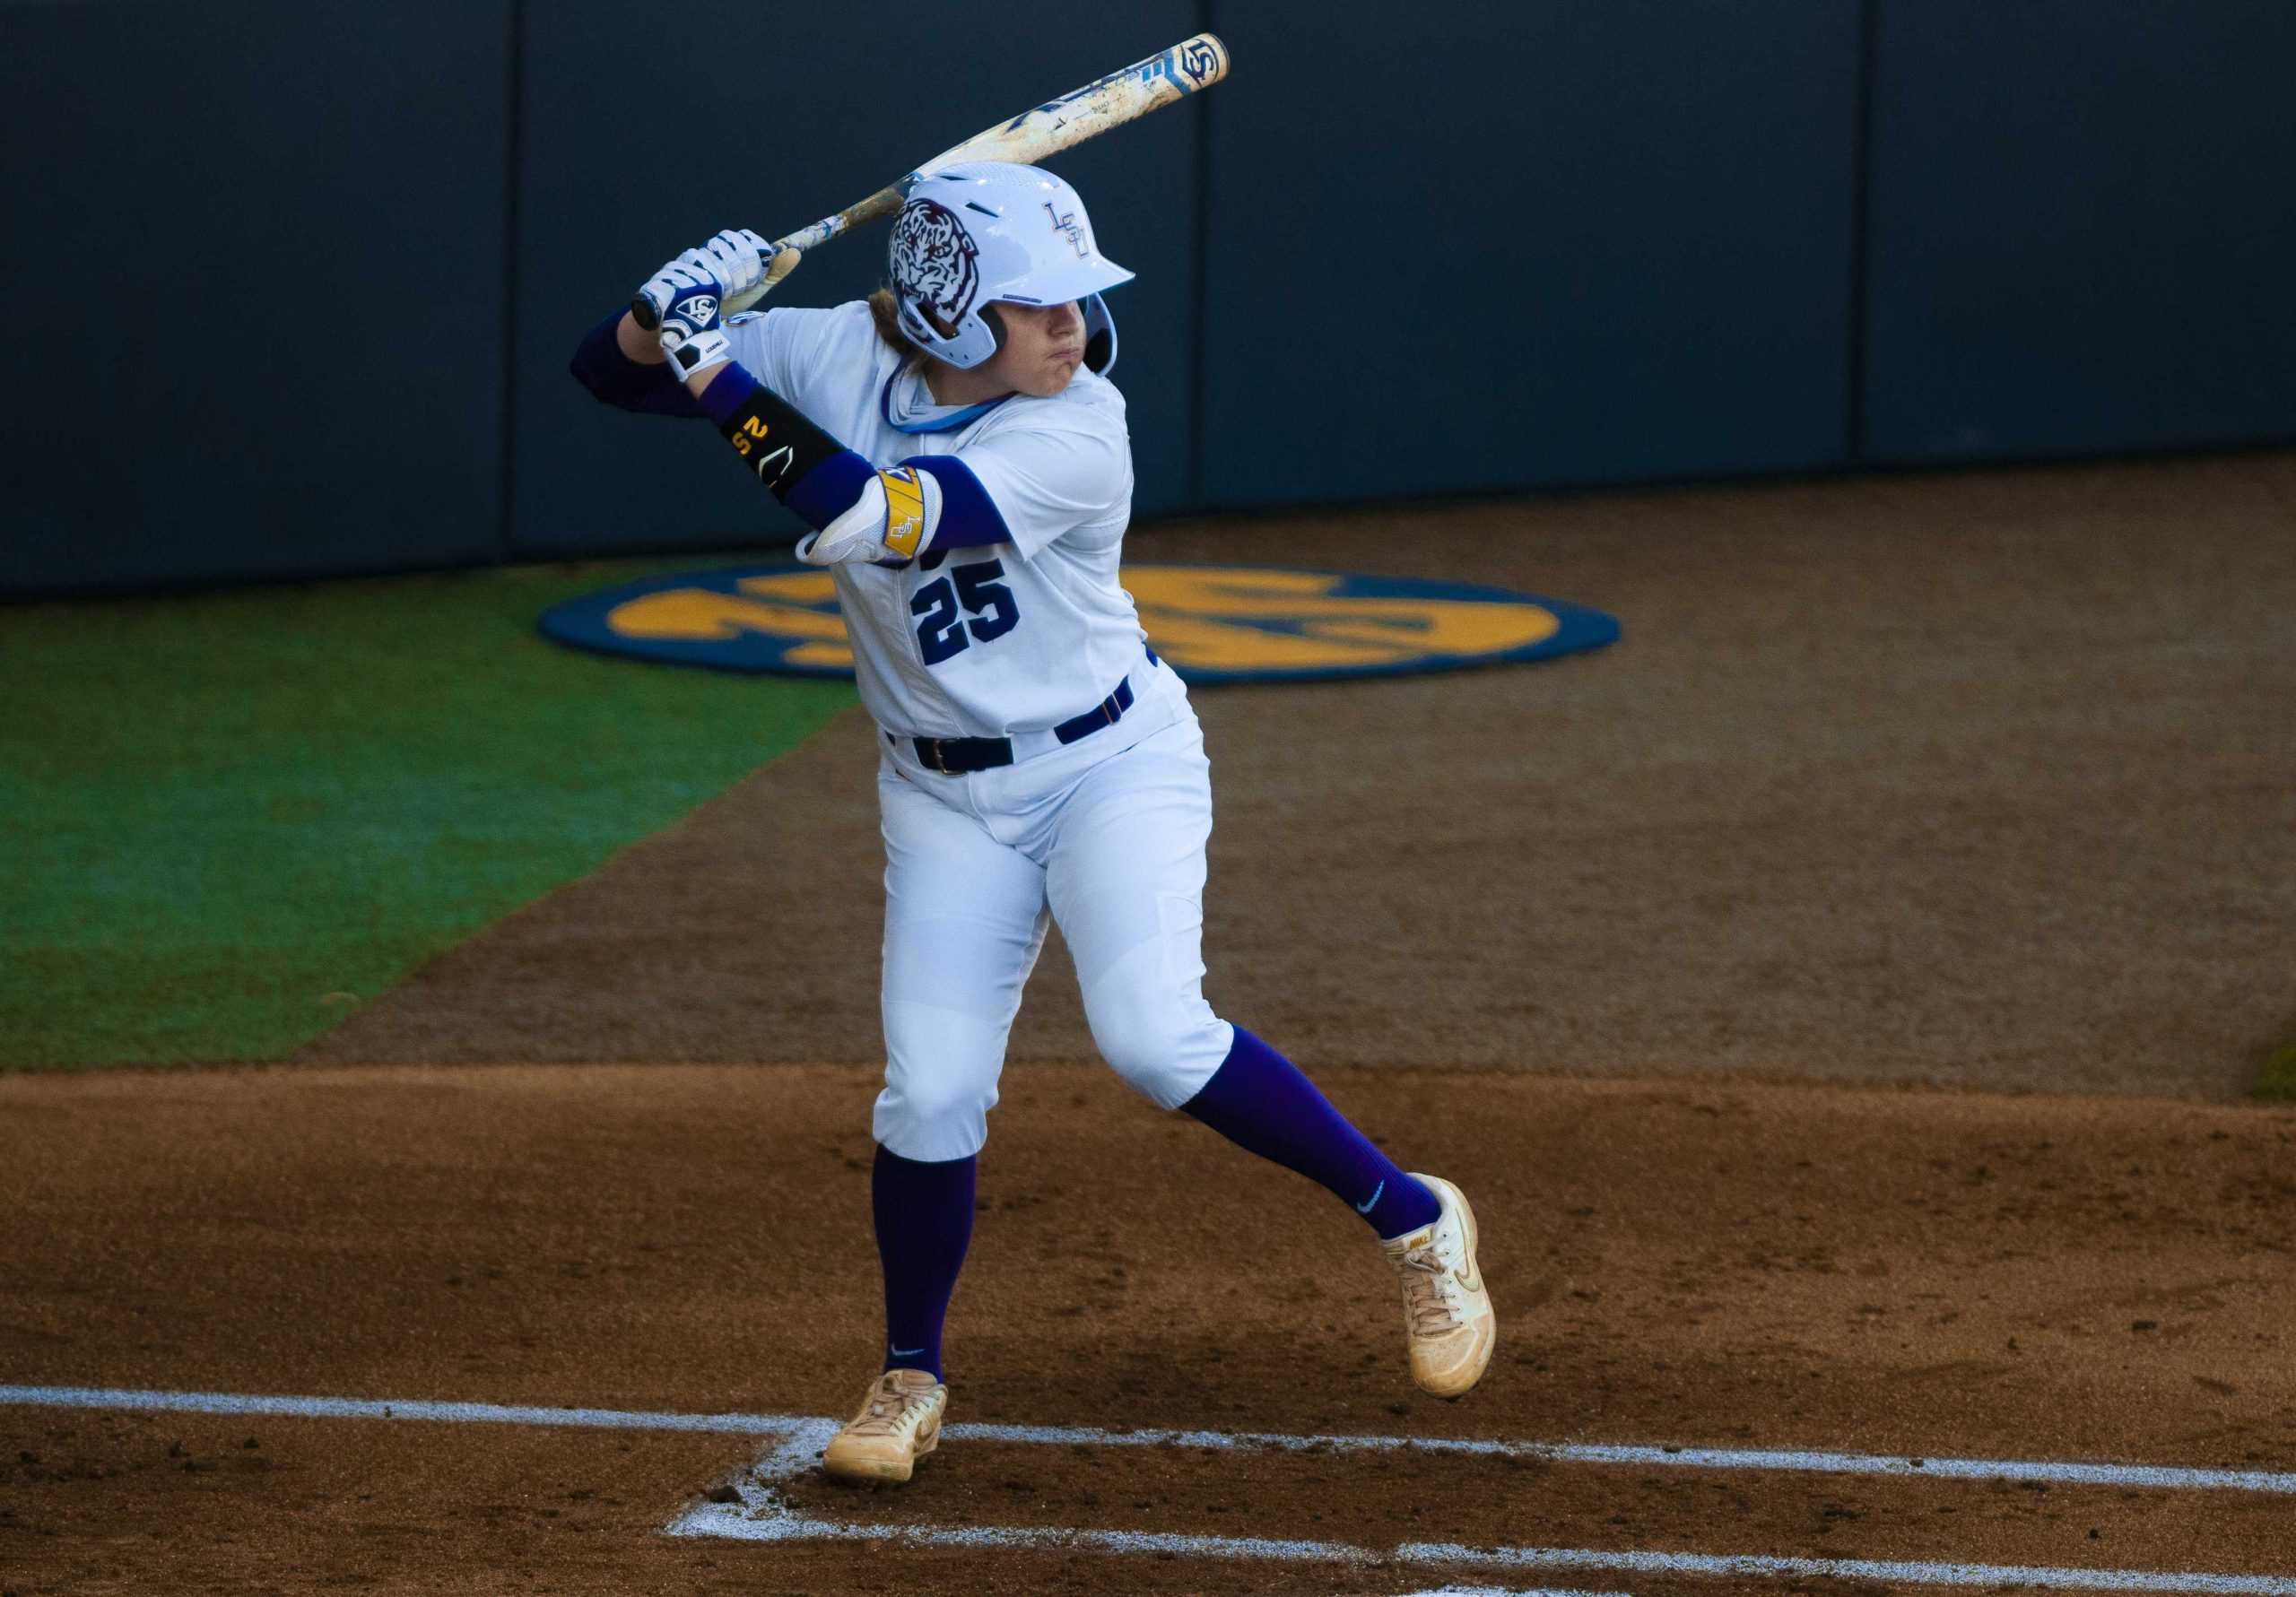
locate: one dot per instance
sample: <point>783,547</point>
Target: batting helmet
<point>986,230</point>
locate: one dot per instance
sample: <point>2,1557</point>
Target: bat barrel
<point>1189,67</point>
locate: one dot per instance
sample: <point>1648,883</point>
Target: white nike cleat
<point>899,1423</point>
<point>1447,1310</point>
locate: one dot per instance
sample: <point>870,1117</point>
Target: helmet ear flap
<point>1100,336</point>
<point>905,313</point>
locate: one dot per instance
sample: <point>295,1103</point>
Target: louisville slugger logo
<point>1186,67</point>
<point>904,510</point>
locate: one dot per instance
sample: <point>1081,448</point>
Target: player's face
<point>1043,344</point>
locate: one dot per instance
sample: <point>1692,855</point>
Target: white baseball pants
<point>1107,839</point>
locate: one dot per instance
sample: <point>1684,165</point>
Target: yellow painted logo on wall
<point>1215,624</point>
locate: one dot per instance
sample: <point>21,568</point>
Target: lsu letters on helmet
<point>988,231</point>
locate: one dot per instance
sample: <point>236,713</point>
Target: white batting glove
<point>690,301</point>
<point>680,277</point>
<point>734,260</point>
<point>737,259</point>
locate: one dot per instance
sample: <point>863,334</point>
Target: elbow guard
<point>857,512</point>
<point>927,501</point>
<point>890,524</point>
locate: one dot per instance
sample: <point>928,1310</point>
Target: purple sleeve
<point>969,518</point>
<point>615,379</point>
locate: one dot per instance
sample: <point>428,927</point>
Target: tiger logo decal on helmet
<point>936,265</point>
<point>984,232</point>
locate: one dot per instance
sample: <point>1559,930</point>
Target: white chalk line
<point>125,1400</point>
<point>760,1514</point>
<point>2155,1477</point>
<point>1513,1592</point>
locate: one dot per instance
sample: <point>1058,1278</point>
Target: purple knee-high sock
<point>1258,1099</point>
<point>924,1217</point>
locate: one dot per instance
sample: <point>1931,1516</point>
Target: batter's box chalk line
<point>1512,1592</point>
<point>759,1513</point>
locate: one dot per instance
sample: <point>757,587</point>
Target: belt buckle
<point>934,758</point>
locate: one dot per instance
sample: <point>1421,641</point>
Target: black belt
<point>959,756</point>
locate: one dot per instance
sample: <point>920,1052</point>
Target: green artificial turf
<point>227,819</point>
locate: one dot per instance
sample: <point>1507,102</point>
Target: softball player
<point>963,459</point>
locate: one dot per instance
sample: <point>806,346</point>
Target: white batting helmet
<point>986,230</point>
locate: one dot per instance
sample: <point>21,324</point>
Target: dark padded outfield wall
<point>1495,246</point>
<point>255,253</point>
<point>2082,237</point>
<point>299,284</point>
<point>812,108</point>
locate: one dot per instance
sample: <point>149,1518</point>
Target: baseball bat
<point>1121,97</point>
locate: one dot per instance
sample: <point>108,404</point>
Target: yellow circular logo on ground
<point>1213,623</point>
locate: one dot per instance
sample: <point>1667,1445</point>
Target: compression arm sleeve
<point>808,470</point>
<point>614,379</point>
<point>819,479</point>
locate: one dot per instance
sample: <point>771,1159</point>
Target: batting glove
<point>737,259</point>
<point>688,297</point>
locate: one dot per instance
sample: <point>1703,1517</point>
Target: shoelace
<point>889,1405</point>
<point>1427,1304</point>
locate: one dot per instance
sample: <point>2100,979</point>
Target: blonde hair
<point>886,315</point>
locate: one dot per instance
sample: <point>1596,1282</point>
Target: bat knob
<point>642,312</point>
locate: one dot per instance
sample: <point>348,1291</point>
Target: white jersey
<point>986,641</point>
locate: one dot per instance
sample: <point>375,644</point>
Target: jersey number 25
<point>941,629</point>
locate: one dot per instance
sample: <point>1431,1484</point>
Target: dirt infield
<point>1984,779</point>
<point>1980,782</point>
<point>1682,1264</point>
